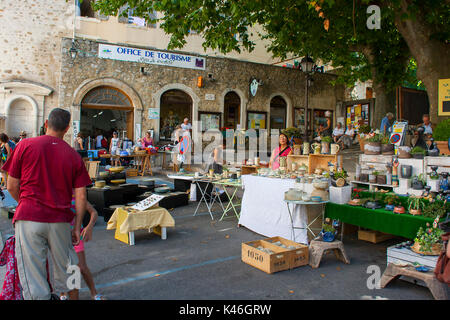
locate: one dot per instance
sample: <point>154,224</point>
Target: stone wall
<point>88,71</point>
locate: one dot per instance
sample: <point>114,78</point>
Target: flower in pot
<point>441,135</point>
<point>415,204</point>
<point>391,201</point>
<point>387,148</point>
<point>340,178</point>
<point>325,144</point>
<point>418,182</point>
<point>418,152</point>
<point>328,231</point>
<point>372,146</point>
<point>428,241</point>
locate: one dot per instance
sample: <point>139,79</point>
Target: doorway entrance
<point>232,110</point>
<point>278,108</point>
<point>175,106</point>
<point>107,109</point>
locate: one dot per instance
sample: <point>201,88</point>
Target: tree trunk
<point>432,56</point>
<point>383,104</point>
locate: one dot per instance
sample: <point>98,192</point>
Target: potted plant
<point>373,176</point>
<point>339,178</point>
<point>294,133</point>
<point>441,134</point>
<point>372,146</point>
<point>428,241</point>
<point>418,182</point>
<point>325,144</point>
<point>415,204</point>
<point>391,201</point>
<point>328,230</point>
<point>387,148</point>
<point>434,209</point>
<point>433,179</point>
<point>362,135</point>
<point>381,178</point>
<point>418,152</point>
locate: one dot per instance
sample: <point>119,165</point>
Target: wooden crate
<point>247,169</point>
<point>321,161</point>
<point>298,159</point>
<point>269,263</point>
<point>297,257</point>
<point>132,172</point>
<point>373,236</point>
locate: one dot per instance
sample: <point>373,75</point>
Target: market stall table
<point>264,211</point>
<point>206,197</point>
<point>126,222</point>
<point>142,162</point>
<point>403,225</point>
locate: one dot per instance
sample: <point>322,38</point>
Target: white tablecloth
<point>264,210</point>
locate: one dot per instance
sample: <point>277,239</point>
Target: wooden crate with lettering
<point>269,263</point>
<point>297,257</point>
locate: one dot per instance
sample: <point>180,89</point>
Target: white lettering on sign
<point>210,96</point>
<point>107,51</point>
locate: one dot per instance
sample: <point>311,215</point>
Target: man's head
<point>23,134</point>
<point>4,137</point>
<point>58,122</point>
<point>186,120</point>
<point>339,125</point>
<point>426,119</point>
<point>390,116</point>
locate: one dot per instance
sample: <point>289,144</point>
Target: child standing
<point>113,148</point>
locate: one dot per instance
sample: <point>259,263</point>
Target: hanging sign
<point>107,51</point>
<point>153,113</point>
<point>444,97</point>
<point>254,87</point>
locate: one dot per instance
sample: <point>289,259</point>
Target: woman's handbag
<point>442,270</point>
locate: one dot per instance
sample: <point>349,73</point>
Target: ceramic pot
<point>443,147</point>
<point>297,149</point>
<point>328,236</point>
<point>405,171</point>
<point>389,207</point>
<point>293,194</point>
<point>417,185</point>
<point>415,212</point>
<point>335,148</point>
<point>372,178</point>
<point>381,179</point>
<point>418,155</point>
<point>433,153</point>
<point>372,148</point>
<point>404,152</point>
<point>325,147</point>
<point>399,209</point>
<point>364,177</point>
<point>435,249</point>
<point>387,149</point>
<point>306,147</point>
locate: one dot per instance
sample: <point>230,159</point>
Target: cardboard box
<point>340,195</point>
<point>297,257</point>
<point>373,236</point>
<point>269,263</point>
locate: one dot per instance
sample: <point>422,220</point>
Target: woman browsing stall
<point>283,150</point>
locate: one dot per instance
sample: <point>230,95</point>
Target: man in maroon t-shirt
<point>44,172</point>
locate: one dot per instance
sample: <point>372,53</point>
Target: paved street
<point>201,260</point>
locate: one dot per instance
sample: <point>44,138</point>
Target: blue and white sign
<point>107,51</point>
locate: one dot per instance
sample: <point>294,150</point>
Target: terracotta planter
<point>361,143</point>
<point>387,149</point>
<point>415,212</point>
<point>372,148</point>
<point>403,152</point>
<point>443,147</point>
<point>399,209</point>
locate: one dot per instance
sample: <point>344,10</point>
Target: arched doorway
<point>175,105</point>
<point>19,116</point>
<point>232,110</point>
<point>107,109</point>
<point>278,112</point>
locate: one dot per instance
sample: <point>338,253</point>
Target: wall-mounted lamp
<point>73,51</point>
<point>211,77</point>
<point>143,72</point>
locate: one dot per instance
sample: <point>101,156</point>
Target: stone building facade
<point>145,87</point>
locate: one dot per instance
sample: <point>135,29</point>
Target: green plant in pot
<point>434,209</point>
<point>373,176</point>
<point>372,145</point>
<point>387,148</point>
<point>381,177</point>
<point>428,240</point>
<point>418,182</point>
<point>362,135</point>
<point>325,144</point>
<point>391,201</point>
<point>339,178</point>
<point>418,152</point>
<point>441,134</point>
<point>415,205</point>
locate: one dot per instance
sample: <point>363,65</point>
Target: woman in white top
<point>347,139</point>
<point>338,132</point>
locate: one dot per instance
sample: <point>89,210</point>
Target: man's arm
<point>80,209</point>
<point>13,186</point>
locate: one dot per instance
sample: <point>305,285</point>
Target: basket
<point>435,249</point>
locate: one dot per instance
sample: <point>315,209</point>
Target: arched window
<point>278,109</point>
<point>175,106</point>
<point>232,110</point>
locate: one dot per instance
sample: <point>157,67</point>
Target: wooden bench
<point>436,287</point>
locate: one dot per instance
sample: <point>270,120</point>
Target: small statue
<point>395,165</point>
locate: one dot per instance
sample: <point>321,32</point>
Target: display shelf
<point>298,159</point>
<point>372,185</point>
<point>317,161</point>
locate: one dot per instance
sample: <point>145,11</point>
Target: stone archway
<point>195,103</point>
<point>90,84</point>
<point>288,101</point>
